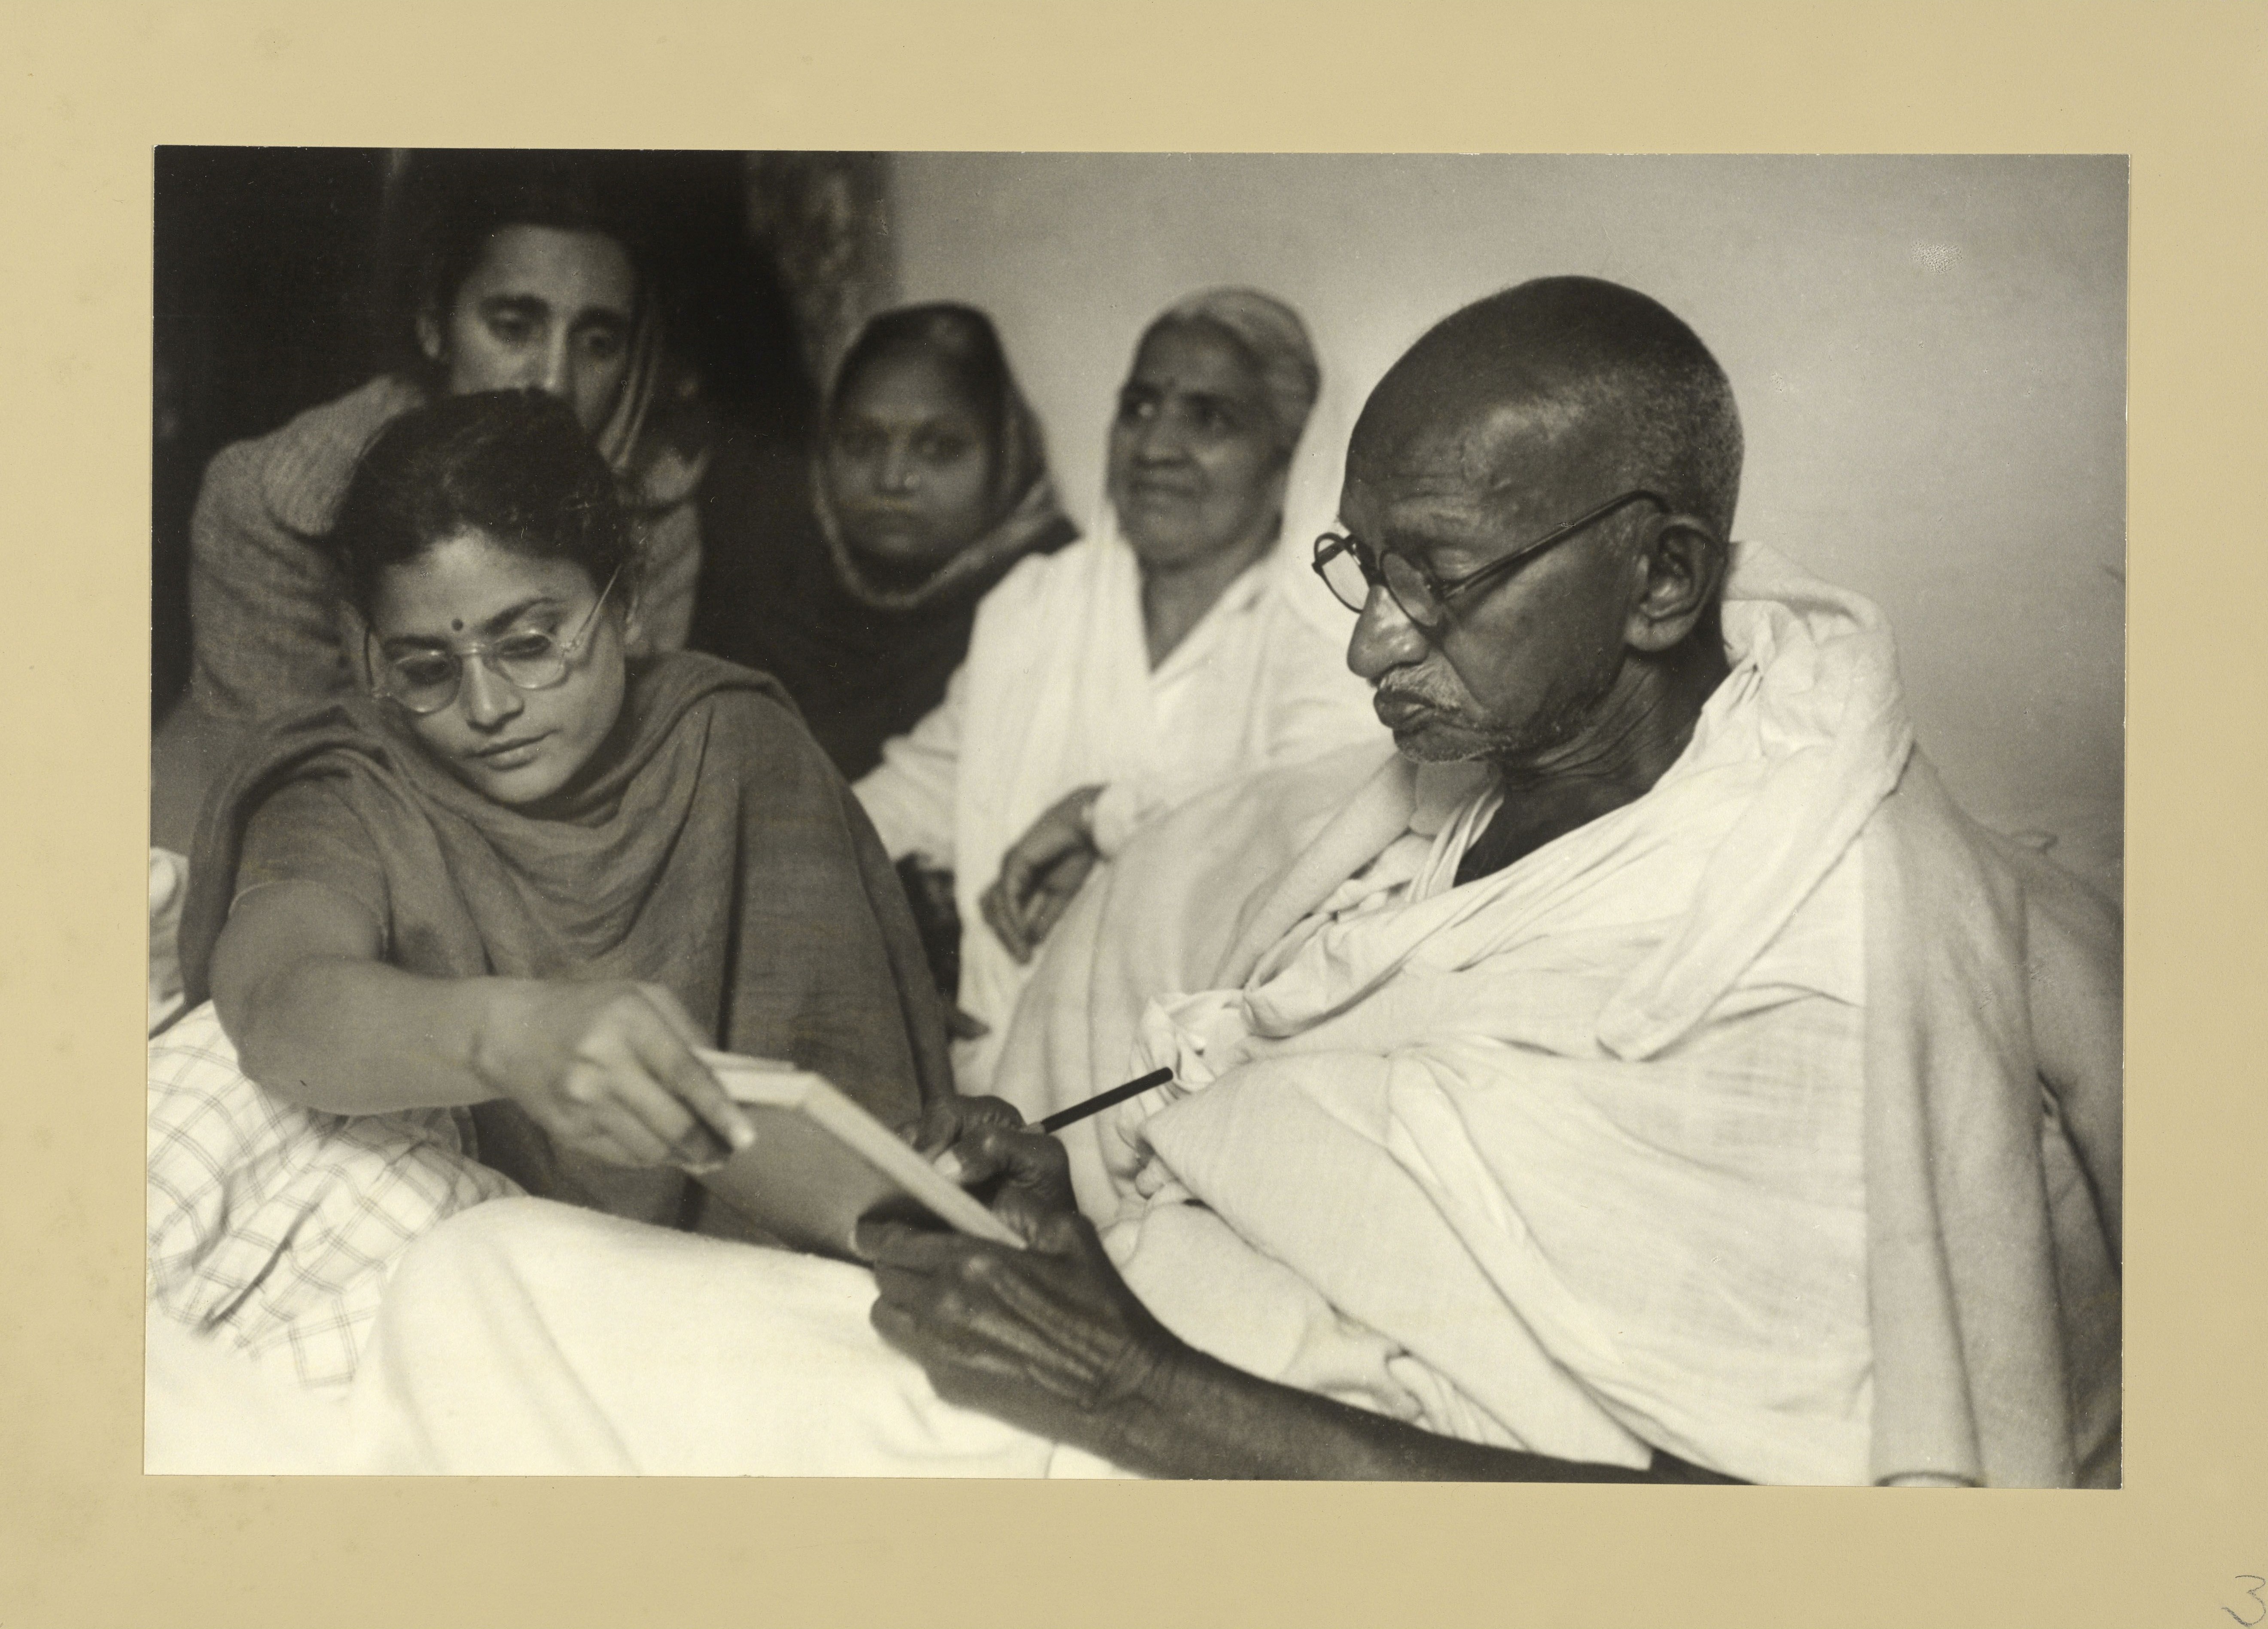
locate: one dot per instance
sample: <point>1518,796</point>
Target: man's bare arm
<point>1050,1338</point>
<point>1211,1420</point>
<point>608,1067</point>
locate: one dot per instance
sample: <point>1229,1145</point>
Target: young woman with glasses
<point>528,872</point>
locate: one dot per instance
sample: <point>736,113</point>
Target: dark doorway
<point>264,280</point>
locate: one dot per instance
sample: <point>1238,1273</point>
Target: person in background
<point>527,275</point>
<point>1120,677</point>
<point>929,484</point>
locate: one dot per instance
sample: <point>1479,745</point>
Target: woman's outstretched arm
<point>319,1019</point>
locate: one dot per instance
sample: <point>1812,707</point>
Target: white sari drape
<point>1058,693</point>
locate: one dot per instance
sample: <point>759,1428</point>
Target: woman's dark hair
<point>513,464</point>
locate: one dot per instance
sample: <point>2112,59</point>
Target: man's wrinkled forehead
<point>1478,454</point>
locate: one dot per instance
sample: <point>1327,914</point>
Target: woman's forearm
<point>1199,1418</point>
<point>354,1037</point>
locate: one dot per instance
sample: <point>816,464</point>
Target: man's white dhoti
<point>1616,1199</point>
<point>529,1338</point>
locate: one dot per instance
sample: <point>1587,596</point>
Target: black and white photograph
<point>1286,816</point>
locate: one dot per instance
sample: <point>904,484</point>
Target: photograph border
<point>84,1538</point>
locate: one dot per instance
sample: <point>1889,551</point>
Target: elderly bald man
<point>1645,1074</point>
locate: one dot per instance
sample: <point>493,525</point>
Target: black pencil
<point>1101,1101</point>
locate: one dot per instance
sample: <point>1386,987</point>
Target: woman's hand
<point>608,1069</point>
<point>1042,874</point>
<point>1049,1338</point>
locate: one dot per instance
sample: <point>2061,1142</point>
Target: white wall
<point>1929,354</point>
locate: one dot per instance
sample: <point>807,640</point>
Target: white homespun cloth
<point>169,887</point>
<point>1580,1143</point>
<point>1058,693</point>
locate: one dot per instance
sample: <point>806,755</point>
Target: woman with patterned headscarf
<point>1119,677</point>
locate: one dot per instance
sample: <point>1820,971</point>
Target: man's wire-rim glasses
<point>426,682</point>
<point>1351,568</point>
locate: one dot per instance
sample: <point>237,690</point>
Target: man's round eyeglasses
<point>526,659</point>
<point>1351,568</point>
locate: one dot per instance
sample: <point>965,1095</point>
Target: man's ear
<point>430,339</point>
<point>1683,563</point>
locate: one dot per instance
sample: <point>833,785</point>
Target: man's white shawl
<point>1740,1123</point>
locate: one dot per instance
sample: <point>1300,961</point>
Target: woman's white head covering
<point>1272,334</point>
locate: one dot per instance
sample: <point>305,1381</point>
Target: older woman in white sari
<point>1115,679</point>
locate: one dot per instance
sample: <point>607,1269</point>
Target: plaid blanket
<point>280,1223</point>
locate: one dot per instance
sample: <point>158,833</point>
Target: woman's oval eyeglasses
<point>1351,568</point>
<point>425,682</point>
